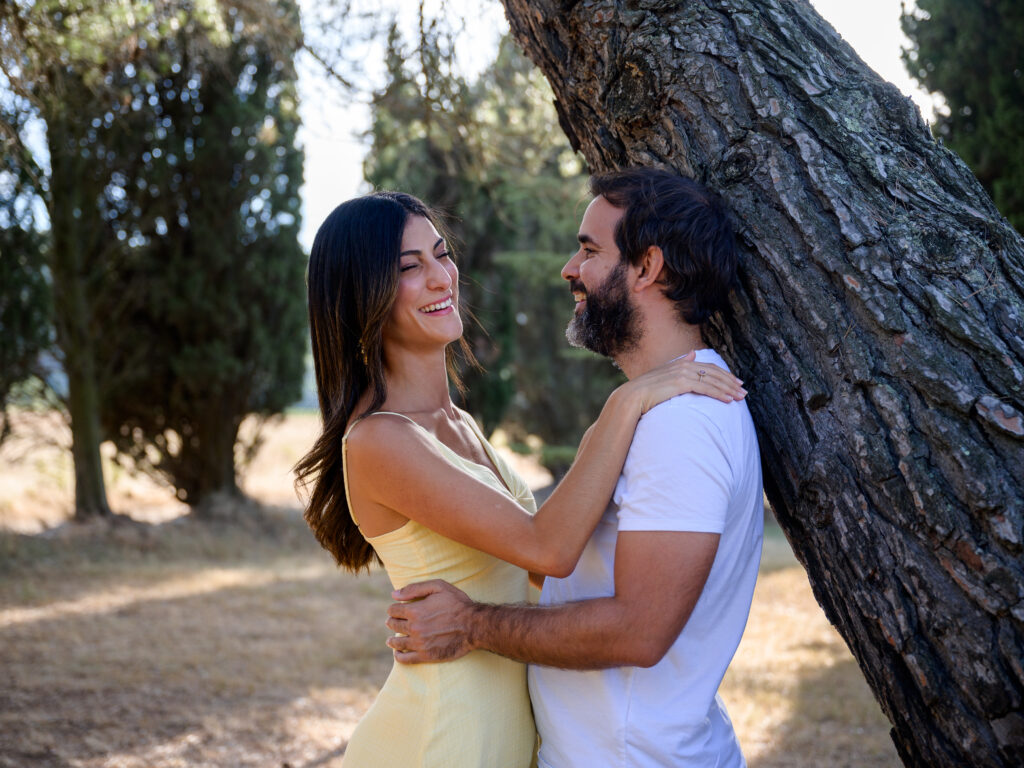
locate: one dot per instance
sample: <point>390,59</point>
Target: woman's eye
<point>444,255</point>
<point>407,267</point>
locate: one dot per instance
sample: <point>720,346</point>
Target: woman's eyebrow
<point>417,251</point>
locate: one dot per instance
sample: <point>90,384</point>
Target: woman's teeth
<point>438,306</point>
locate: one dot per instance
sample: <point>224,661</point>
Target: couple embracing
<point>647,551</point>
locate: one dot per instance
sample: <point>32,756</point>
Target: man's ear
<point>649,268</point>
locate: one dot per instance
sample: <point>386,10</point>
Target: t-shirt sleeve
<point>677,476</point>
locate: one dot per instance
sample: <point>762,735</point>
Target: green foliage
<point>25,299</point>
<point>491,155</point>
<point>173,207</point>
<point>971,53</point>
<point>206,315</point>
<point>559,389</point>
<point>85,37</point>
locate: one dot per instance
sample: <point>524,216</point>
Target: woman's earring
<point>362,351</point>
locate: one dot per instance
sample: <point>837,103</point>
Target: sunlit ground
<point>237,643</point>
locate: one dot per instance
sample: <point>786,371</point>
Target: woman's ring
<point>701,374</point>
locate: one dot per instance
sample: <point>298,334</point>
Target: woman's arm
<point>393,464</point>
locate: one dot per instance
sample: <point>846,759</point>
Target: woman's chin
<point>456,329</point>
<point>449,336</point>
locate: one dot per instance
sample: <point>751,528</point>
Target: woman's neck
<point>417,382</point>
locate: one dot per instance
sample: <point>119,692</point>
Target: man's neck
<point>658,346</point>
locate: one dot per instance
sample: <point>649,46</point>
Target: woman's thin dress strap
<point>376,413</point>
<point>344,454</point>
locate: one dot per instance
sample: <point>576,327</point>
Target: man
<point>626,653</point>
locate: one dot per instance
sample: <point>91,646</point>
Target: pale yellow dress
<point>470,713</point>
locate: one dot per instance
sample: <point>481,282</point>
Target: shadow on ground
<point>840,730</point>
<point>186,657</point>
<point>237,643</point>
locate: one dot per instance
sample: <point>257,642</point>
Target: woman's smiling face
<point>426,309</point>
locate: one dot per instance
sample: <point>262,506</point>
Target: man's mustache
<point>575,286</point>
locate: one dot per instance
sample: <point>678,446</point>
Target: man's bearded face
<point>609,323</point>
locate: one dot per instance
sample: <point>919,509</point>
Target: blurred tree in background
<point>490,155</point>
<point>55,56</point>
<point>171,195</point>
<point>971,53</point>
<point>25,301</point>
<point>213,326</point>
<point>165,274</point>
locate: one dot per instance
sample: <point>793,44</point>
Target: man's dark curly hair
<point>691,226</point>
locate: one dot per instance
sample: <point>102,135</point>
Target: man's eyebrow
<point>585,238</point>
<point>416,251</point>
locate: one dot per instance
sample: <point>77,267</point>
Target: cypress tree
<point>484,152</point>
<point>25,299</point>
<point>172,255</point>
<point>207,318</point>
<point>60,63</point>
<point>971,53</point>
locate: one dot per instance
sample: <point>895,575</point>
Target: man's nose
<point>571,270</point>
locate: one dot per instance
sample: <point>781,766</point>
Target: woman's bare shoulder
<point>386,437</point>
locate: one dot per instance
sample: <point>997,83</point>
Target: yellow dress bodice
<point>473,712</point>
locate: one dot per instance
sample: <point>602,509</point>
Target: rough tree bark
<point>878,323</point>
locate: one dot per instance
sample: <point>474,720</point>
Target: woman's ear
<point>650,267</point>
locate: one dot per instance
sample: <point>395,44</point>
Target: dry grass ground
<point>237,643</point>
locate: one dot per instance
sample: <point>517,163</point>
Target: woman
<point>402,476</point>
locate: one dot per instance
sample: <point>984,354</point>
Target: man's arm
<point>659,576</point>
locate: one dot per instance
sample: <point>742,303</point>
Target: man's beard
<point>609,324</point>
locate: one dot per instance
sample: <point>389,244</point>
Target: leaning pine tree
<point>878,323</point>
<point>207,319</point>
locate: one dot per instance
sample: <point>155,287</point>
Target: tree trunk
<point>205,469</point>
<point>70,214</point>
<point>878,325</point>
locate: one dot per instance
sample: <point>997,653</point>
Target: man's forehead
<point>599,220</point>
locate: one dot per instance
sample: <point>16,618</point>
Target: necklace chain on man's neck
<point>678,358</point>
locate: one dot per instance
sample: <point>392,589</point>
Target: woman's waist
<point>478,679</point>
<point>487,581</point>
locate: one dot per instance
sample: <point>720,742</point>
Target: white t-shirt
<point>693,466</point>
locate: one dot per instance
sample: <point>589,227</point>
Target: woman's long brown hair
<point>352,284</point>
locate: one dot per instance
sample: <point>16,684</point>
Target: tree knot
<point>737,164</point>
<point>631,93</point>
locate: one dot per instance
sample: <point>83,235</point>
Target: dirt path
<point>237,643</point>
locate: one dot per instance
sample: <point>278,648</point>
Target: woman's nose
<point>439,278</point>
